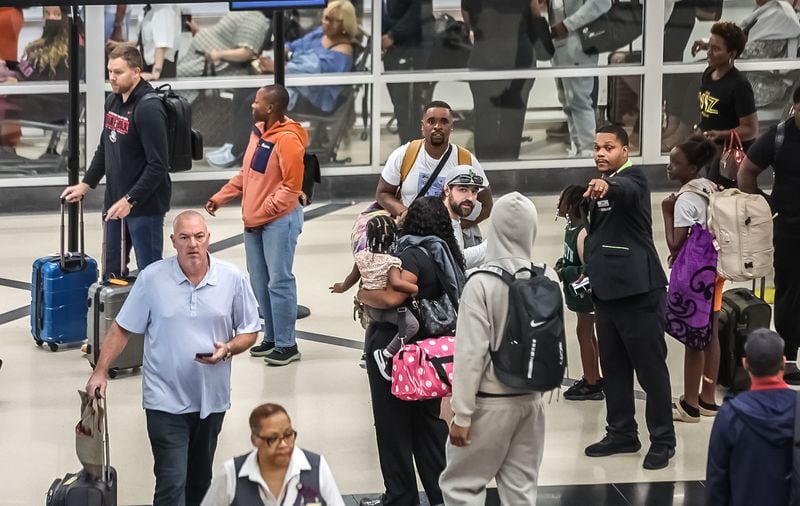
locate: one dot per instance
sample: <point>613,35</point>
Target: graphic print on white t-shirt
<point>436,188</point>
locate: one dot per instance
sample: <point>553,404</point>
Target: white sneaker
<point>383,365</point>
<point>225,147</point>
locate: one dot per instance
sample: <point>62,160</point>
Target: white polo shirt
<point>179,320</point>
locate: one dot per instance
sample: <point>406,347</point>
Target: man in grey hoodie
<point>497,431</point>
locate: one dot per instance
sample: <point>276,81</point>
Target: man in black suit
<point>407,27</point>
<point>628,292</point>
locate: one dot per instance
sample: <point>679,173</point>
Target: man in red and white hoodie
<point>270,184</point>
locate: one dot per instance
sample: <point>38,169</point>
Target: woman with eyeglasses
<point>277,472</point>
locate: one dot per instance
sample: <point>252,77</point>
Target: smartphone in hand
<point>202,355</point>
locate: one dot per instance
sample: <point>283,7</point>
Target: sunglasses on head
<point>467,179</point>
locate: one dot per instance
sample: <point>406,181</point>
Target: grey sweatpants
<point>507,441</point>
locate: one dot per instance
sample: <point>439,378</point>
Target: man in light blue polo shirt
<point>195,312</point>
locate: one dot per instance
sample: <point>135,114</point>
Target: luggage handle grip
<point>61,252</point>
<point>122,251</point>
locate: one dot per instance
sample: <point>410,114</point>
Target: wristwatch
<point>130,200</point>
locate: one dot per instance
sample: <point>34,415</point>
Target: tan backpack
<point>742,227</point>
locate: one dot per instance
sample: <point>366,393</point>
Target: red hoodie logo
<point>117,124</point>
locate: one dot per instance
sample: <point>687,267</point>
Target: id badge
<point>261,156</point>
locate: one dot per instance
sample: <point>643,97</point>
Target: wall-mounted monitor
<point>250,5</point>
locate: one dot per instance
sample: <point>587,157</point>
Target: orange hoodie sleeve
<point>235,186</point>
<point>231,190</point>
<point>290,153</point>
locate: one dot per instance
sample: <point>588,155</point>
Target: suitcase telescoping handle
<point>62,253</point>
<point>106,452</point>
<point>122,251</point>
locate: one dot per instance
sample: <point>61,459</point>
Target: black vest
<point>308,491</point>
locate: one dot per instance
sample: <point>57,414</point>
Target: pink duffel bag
<point>424,369</point>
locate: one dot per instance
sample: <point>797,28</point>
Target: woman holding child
<point>410,432</point>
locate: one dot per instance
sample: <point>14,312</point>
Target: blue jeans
<point>270,255</point>
<point>144,233</point>
<point>183,453</point>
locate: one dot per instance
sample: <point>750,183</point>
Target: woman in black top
<point>410,432</point>
<point>726,97</point>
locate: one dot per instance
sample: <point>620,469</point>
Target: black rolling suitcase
<point>742,312</point>
<point>104,303</point>
<point>84,488</point>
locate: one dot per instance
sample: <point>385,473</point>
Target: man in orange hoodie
<point>270,184</point>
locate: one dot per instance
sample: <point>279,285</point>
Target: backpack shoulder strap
<point>497,272</point>
<point>109,100</point>
<point>464,156</point>
<point>409,158</point>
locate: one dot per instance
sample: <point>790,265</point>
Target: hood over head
<point>512,232</point>
<point>768,413</point>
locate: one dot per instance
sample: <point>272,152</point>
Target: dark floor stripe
<point>22,285</point>
<point>236,240</point>
<point>335,341</point>
<point>15,314</point>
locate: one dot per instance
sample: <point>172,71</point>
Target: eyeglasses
<point>331,19</point>
<point>467,179</point>
<point>273,441</point>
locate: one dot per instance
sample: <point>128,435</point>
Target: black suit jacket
<point>621,258</point>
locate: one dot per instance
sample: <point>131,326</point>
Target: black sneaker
<point>362,362</point>
<point>610,445</point>
<point>282,356</point>
<point>263,349</point>
<point>658,456</point>
<point>582,391</point>
<point>384,364</point>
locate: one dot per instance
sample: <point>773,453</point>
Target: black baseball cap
<point>764,352</point>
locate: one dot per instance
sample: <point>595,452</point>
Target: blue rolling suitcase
<point>59,287</point>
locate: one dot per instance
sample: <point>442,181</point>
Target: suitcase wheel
<point>39,342</point>
<point>52,346</point>
<point>112,373</point>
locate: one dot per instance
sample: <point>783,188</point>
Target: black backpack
<point>184,143</point>
<point>532,354</point>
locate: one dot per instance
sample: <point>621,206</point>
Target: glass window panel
<point>772,92</point>
<point>33,135</point>
<point>519,119</point>
<point>772,32</point>
<point>337,136</point>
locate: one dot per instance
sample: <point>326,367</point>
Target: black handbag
<point>618,27</point>
<point>437,317</point>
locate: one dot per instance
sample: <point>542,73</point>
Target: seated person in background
<point>276,472</point>
<point>229,46</point>
<point>326,49</point>
<point>750,449</point>
<point>44,59</point>
<point>47,58</point>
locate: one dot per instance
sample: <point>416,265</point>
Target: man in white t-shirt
<point>437,125</point>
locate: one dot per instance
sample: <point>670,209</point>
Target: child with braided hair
<point>380,270</point>
<point>570,269</point>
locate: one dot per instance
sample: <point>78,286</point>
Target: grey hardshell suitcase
<point>104,303</point>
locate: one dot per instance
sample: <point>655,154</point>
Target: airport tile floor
<point>326,393</point>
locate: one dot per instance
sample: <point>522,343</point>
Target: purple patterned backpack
<point>690,297</point>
